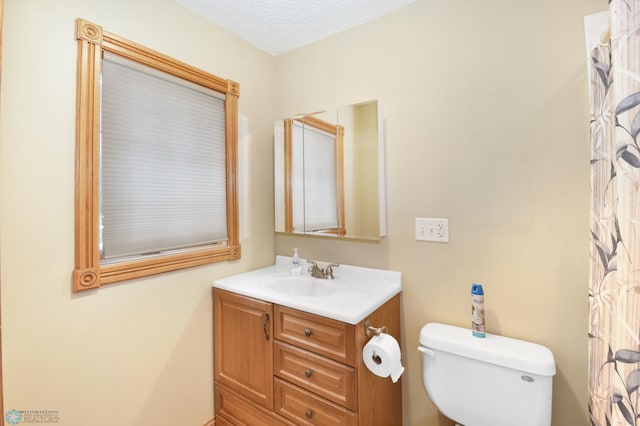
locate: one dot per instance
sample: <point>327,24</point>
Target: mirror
<point>329,173</point>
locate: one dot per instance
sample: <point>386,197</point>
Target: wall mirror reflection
<point>329,174</point>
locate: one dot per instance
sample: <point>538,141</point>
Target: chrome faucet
<point>318,272</point>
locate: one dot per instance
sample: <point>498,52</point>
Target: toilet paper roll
<point>381,355</point>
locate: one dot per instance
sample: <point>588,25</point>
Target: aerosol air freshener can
<point>477,310</point>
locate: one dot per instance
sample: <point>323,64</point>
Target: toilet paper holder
<point>369,329</point>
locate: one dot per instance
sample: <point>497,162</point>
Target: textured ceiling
<point>277,26</point>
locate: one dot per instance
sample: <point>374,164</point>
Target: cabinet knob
<point>309,414</point>
<point>307,373</point>
<point>307,332</point>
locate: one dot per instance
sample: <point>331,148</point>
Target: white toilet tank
<point>495,381</point>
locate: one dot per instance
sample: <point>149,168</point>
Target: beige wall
<point>138,353</point>
<point>487,125</point>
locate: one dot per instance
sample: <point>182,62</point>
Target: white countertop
<point>358,291</point>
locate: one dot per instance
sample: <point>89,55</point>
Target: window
<point>314,196</point>
<point>156,160</point>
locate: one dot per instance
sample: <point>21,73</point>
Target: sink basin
<point>350,297</point>
<point>300,286</point>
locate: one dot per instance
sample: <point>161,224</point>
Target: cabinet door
<point>244,346</point>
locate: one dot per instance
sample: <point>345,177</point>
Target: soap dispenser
<point>295,267</point>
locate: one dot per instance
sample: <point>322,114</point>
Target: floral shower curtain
<point>614,293</point>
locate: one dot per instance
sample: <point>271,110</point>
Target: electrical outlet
<point>432,229</point>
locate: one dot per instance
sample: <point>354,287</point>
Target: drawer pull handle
<point>309,414</point>
<point>265,325</point>
<point>307,332</point>
<point>307,373</point>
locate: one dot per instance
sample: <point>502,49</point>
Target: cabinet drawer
<point>304,408</point>
<point>235,410</point>
<point>315,373</point>
<point>333,339</point>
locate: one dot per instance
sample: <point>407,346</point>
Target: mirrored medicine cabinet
<point>329,173</point>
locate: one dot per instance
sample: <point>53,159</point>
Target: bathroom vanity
<point>288,350</point>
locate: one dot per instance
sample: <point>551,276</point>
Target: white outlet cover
<point>432,229</point>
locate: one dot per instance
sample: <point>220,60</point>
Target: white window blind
<point>313,179</point>
<point>163,184</point>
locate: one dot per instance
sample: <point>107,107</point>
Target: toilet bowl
<point>491,381</point>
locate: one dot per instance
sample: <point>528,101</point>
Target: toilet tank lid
<point>494,349</point>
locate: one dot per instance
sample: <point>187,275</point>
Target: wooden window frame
<point>334,129</point>
<point>88,272</point>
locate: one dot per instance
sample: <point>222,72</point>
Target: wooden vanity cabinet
<point>279,366</point>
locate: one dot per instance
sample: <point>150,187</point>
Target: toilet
<point>491,381</point>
